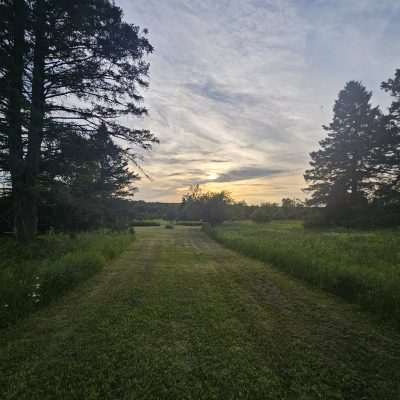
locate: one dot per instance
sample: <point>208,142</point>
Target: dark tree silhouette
<point>83,175</point>
<point>13,49</point>
<point>342,171</point>
<point>65,65</point>
<point>388,162</point>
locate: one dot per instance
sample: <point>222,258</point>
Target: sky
<point>239,89</point>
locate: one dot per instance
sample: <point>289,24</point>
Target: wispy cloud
<point>247,173</point>
<point>239,83</point>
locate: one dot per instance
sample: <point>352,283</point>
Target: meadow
<point>362,267</point>
<point>179,316</point>
<point>32,275</point>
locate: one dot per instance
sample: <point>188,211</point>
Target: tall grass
<point>33,275</point>
<point>362,267</point>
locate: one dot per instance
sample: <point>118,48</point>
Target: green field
<point>361,266</point>
<point>177,316</point>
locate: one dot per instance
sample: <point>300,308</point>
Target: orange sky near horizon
<point>253,191</point>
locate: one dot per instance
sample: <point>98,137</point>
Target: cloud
<point>239,89</point>
<point>247,173</point>
<point>212,90</point>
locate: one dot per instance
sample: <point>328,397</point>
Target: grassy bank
<point>362,267</point>
<point>35,274</point>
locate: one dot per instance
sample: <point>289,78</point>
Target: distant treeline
<point>118,214</point>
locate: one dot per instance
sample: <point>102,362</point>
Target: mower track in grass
<point>177,316</point>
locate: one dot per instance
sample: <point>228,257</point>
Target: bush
<point>32,276</point>
<point>212,207</point>
<point>169,226</point>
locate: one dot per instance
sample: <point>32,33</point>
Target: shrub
<point>212,207</point>
<point>169,226</point>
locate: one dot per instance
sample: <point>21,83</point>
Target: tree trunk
<point>25,203</point>
<point>27,219</point>
<point>14,109</point>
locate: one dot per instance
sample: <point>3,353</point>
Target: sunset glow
<point>239,89</point>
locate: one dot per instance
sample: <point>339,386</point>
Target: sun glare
<point>212,176</point>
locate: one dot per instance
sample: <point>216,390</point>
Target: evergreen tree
<point>114,178</point>
<point>342,171</point>
<point>13,54</point>
<point>72,64</point>
<point>389,161</point>
<point>84,176</point>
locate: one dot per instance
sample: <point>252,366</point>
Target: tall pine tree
<point>342,171</point>
<point>64,64</point>
<point>389,161</point>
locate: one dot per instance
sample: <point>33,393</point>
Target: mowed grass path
<point>180,317</point>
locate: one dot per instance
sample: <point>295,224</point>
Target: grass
<point>31,276</point>
<point>180,317</point>
<point>361,266</point>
